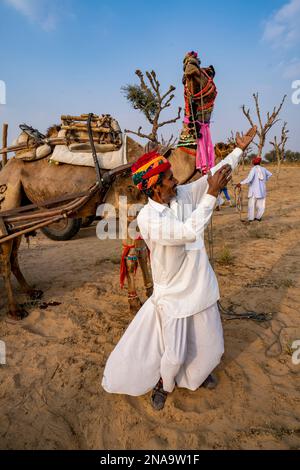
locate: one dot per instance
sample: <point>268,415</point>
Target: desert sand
<point>50,393</point>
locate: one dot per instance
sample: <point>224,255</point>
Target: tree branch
<point>141,77</point>
<point>151,103</point>
<point>167,103</point>
<point>255,96</point>
<point>171,120</point>
<point>264,128</point>
<point>172,88</point>
<point>247,114</point>
<point>168,144</point>
<point>154,82</point>
<point>139,134</point>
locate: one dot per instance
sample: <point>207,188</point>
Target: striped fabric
<point>147,169</point>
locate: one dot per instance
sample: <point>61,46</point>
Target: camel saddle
<point>72,144</point>
<point>106,131</point>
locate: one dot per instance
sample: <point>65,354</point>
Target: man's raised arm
<point>242,142</point>
<point>169,230</point>
<point>198,188</point>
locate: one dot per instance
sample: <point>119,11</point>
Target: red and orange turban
<point>147,169</point>
<point>256,160</point>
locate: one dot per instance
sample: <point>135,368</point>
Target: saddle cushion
<point>108,160</point>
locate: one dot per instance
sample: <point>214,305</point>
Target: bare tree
<point>231,140</point>
<point>279,147</point>
<point>263,129</point>
<point>162,146</point>
<point>168,144</point>
<point>151,102</point>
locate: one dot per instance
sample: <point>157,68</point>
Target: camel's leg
<point>14,311</point>
<point>131,264</point>
<point>133,298</point>
<point>15,268</point>
<point>142,256</point>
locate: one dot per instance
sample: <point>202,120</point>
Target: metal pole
<point>4,143</point>
<point>97,167</point>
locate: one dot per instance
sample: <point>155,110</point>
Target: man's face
<point>167,190</point>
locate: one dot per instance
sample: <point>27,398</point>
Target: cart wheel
<point>63,230</point>
<point>87,221</point>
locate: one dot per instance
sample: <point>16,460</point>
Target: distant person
<point>256,180</point>
<point>226,194</point>
<point>220,199</point>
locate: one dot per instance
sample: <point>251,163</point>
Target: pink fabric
<point>205,156</point>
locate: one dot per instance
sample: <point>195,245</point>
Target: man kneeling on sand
<point>176,338</point>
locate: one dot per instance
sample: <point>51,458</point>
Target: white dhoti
<point>183,351</point>
<point>256,207</point>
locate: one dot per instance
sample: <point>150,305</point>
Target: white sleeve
<point>232,159</point>
<point>196,190</point>
<point>249,177</point>
<point>167,229</point>
<point>268,174</point>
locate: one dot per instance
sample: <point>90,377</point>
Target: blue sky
<point>73,56</point>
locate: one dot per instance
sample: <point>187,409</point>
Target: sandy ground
<point>50,394</point>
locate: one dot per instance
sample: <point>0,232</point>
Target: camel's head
<point>223,149</point>
<point>191,58</point>
<point>124,194</point>
<point>125,187</point>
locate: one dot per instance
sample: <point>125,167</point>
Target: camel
<point>199,96</point>
<point>25,182</point>
<point>37,181</point>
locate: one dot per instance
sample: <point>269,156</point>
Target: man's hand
<point>219,180</point>
<point>245,140</point>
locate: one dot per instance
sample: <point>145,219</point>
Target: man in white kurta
<point>177,334</point>
<point>257,192</point>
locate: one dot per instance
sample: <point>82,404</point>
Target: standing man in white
<point>256,179</point>
<point>176,338</point>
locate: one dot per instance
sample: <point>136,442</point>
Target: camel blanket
<point>107,160</point>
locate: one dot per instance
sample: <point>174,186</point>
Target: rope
<point>238,197</point>
<point>194,122</point>
<point>248,315</point>
<point>202,113</point>
<point>230,313</point>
